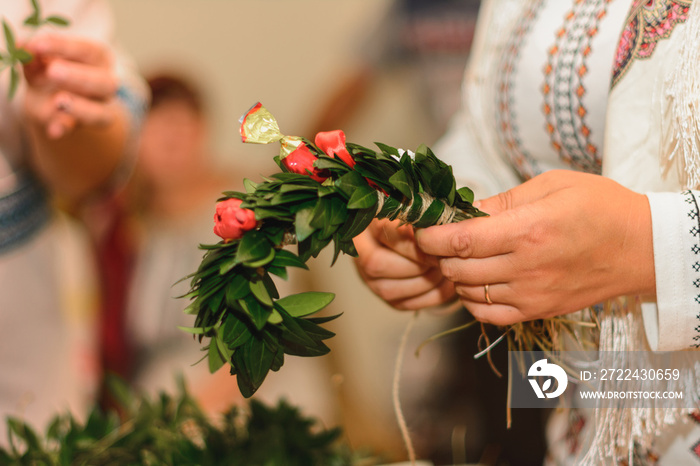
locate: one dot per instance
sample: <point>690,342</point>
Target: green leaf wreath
<point>327,192</point>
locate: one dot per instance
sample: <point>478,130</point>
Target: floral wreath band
<point>327,192</point>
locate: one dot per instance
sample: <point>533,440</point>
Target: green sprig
<point>14,56</point>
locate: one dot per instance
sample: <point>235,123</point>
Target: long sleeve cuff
<point>674,322</point>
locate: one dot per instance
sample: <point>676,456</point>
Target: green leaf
<point>431,214</point>
<point>314,330</point>
<point>350,182</point>
<point>326,191</point>
<point>252,361</point>
<point>196,330</point>
<point>275,317</point>
<point>24,432</point>
<point>357,223</point>
<point>262,213</point>
<point>363,198</point>
<point>227,265</point>
<point>32,21</point>
<point>387,149</point>
<point>234,332</point>
<point>279,271</point>
<point>291,187</point>
<point>259,290</point>
<point>302,223</point>
<point>466,194</point>
<point>442,184</point>
<point>9,37</point>
<point>249,186</point>
<point>215,358</point>
<point>285,258</point>
<point>58,21</point>
<point>318,349</point>
<point>324,162</point>
<point>236,288</point>
<point>303,304</point>
<point>321,212</point>
<point>257,312</point>
<point>400,181</point>
<point>270,286</point>
<point>23,56</point>
<point>253,246</point>
<point>225,352</point>
<point>293,332</point>
<point>14,81</point>
<point>260,262</point>
<point>338,211</point>
<point>295,197</point>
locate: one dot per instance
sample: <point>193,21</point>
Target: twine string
<point>403,427</point>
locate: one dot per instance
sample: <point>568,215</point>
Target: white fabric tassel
<point>680,131</point>
<point>617,431</point>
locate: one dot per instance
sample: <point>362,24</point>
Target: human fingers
<point>526,193</point>
<point>83,110</point>
<point>477,271</point>
<point>401,239</point>
<point>89,81</point>
<point>393,290</point>
<point>69,48</point>
<point>477,237</point>
<point>376,261</point>
<point>495,314</point>
<point>442,293</point>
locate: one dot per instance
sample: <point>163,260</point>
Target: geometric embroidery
<point>508,131</point>
<point>649,21</point>
<point>694,214</point>
<point>563,87</point>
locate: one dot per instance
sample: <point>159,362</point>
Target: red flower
<point>231,221</point>
<point>333,144</point>
<point>302,159</point>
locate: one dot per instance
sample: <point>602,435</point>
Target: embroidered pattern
<point>507,128</point>
<point>694,216</point>
<point>648,23</point>
<point>563,87</point>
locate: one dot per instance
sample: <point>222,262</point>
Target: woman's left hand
<point>555,244</point>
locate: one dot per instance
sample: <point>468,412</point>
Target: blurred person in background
<point>149,243</point>
<point>63,138</point>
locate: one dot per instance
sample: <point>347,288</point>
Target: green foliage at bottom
<point>175,431</point>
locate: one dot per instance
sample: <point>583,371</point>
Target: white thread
<point>403,427</point>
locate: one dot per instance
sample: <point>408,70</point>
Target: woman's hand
<point>70,82</point>
<point>555,244</point>
<point>78,127</point>
<point>397,271</point>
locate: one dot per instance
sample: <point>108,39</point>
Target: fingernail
<point>477,204</point>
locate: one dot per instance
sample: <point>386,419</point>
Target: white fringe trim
<point>680,131</point>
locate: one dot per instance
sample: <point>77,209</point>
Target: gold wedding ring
<point>486,294</point>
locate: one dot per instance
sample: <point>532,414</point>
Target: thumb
<point>532,190</point>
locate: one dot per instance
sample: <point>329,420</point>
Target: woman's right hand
<point>397,271</point>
